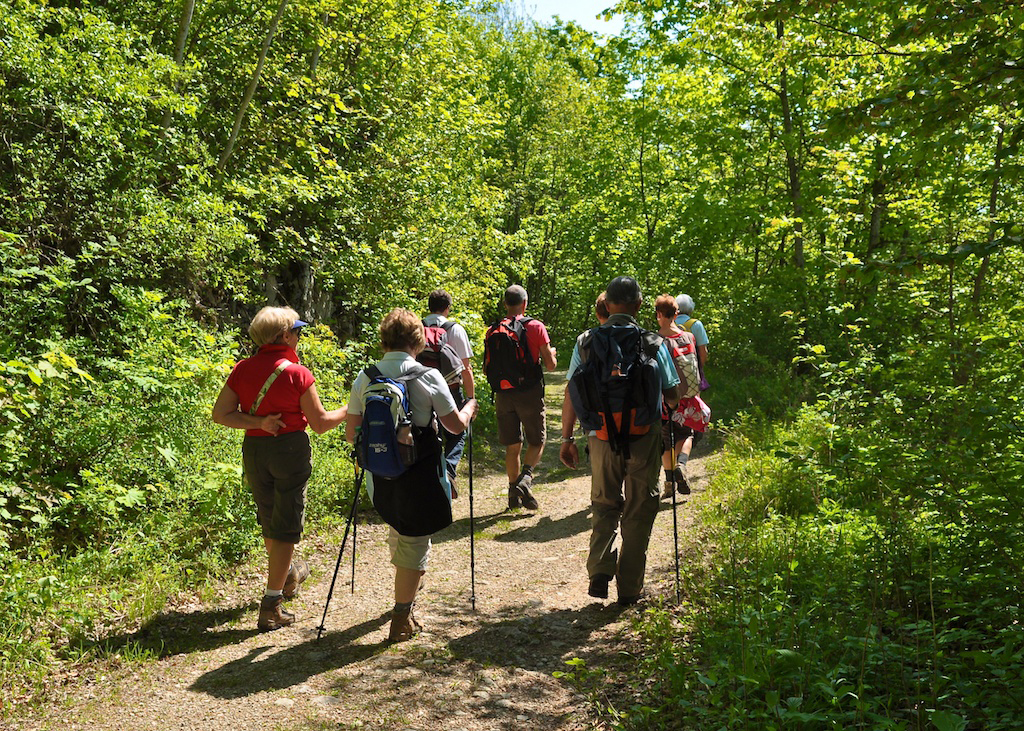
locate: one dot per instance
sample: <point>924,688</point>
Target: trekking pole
<point>355,531</point>
<point>675,518</point>
<point>330,592</point>
<point>472,539</point>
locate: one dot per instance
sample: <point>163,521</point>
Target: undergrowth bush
<point>117,490</point>
<point>826,606</point>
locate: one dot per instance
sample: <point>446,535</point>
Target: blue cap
<point>298,323</point>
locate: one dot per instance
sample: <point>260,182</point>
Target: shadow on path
<point>174,633</point>
<point>291,666</point>
<point>533,642</point>
<point>547,529</point>
<point>460,528</point>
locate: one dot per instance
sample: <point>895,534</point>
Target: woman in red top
<point>273,398</point>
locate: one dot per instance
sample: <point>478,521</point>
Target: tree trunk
<point>879,205</point>
<point>253,82</point>
<point>184,23</point>
<point>314,60</point>
<point>789,143</point>
<point>993,205</point>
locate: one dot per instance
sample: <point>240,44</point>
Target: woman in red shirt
<point>274,398</point>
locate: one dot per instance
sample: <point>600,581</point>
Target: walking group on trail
<point>634,392</point>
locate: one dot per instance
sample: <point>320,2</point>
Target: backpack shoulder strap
<point>689,324</point>
<point>447,326</point>
<point>372,372</point>
<point>413,373</point>
<point>266,386</point>
<point>652,342</point>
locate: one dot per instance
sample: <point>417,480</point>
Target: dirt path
<point>469,670</point>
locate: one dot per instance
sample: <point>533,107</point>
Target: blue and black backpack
<point>386,446</point>
<point>404,459</point>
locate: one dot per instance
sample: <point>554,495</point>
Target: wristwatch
<point>568,440</point>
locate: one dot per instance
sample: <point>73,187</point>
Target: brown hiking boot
<point>273,615</point>
<point>297,573</point>
<point>529,501</point>
<point>403,626</point>
<point>599,585</point>
<point>666,492</point>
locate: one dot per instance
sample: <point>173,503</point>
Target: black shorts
<point>681,433</point>
<point>277,470</point>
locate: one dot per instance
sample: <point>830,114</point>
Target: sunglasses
<point>297,331</point>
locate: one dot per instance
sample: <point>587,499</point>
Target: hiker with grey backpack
<point>449,350</point>
<point>393,415</point>
<point>679,432</point>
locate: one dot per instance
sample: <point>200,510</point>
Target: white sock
<point>270,593</point>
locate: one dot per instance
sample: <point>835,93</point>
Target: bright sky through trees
<point>583,12</point>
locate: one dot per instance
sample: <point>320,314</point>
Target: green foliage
<point>838,186</point>
<point>827,605</point>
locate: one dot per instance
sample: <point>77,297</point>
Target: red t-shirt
<point>249,375</point>
<point>536,336</point>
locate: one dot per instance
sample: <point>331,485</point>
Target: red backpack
<point>440,354</point>
<point>508,363</point>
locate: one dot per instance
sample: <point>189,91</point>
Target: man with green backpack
<point>689,323</point>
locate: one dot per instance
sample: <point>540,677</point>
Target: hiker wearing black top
<point>515,348</point>
<point>453,334</point>
<point>618,376</point>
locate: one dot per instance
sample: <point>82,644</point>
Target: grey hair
<point>515,295</point>
<point>684,303</point>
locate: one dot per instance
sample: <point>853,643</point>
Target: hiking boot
<point>628,601</point>
<point>403,626</point>
<point>599,586</point>
<point>515,497</point>
<point>273,615</point>
<point>682,486</point>
<point>524,483</point>
<point>297,573</point>
<point>666,491</point>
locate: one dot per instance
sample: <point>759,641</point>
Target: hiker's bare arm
<point>459,420</point>
<point>568,453</point>
<point>352,422</point>
<point>468,384</point>
<point>547,357</point>
<point>702,355</point>
<point>225,412</point>
<point>320,419</point>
